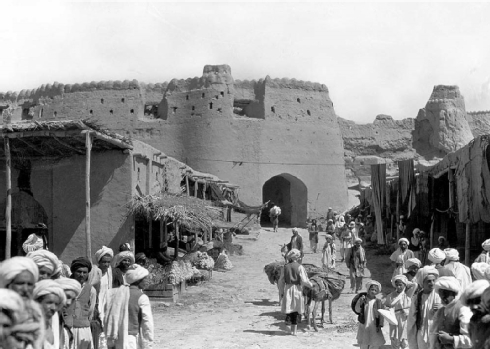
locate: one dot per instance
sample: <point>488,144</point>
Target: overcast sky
<point>381,58</point>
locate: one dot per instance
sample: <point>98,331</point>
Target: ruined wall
<point>442,127</point>
<point>383,141</point>
<point>479,122</point>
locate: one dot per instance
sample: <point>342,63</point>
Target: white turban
<point>123,255</point>
<point>486,245</point>
<point>45,287</point>
<point>102,252</point>
<point>294,254</point>
<point>44,258</point>
<point>373,283</point>
<point>436,255</point>
<point>295,230</point>
<point>413,261</point>
<point>478,270</point>
<point>70,285</point>
<point>403,240</point>
<point>328,236</point>
<point>416,231</point>
<point>11,300</point>
<point>423,273</point>
<point>358,240</point>
<point>135,274</point>
<point>401,278</point>
<point>474,290</point>
<point>449,283</point>
<point>451,254</point>
<point>12,267</point>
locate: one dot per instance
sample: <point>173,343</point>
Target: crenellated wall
<point>242,131</point>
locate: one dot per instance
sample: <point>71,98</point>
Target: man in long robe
<point>460,271</point>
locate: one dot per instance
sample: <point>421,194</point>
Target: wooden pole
<point>177,240</point>
<point>204,191</point>
<point>150,234</point>
<point>8,206</point>
<point>467,245</point>
<point>88,146</point>
<point>196,185</point>
<point>187,185</point>
<point>161,234</point>
<point>165,232</point>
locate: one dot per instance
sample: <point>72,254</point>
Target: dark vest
<point>134,310</point>
<point>291,274</point>
<point>77,314</point>
<point>450,325</point>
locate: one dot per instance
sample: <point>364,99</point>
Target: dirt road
<point>239,308</point>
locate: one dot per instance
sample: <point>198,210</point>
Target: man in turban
<point>479,270</point>
<point>81,312</point>
<point>14,325</point>
<point>450,326</point>
<point>400,256</point>
<point>37,240</point>
<point>413,265</point>
<point>72,289</point>
<point>47,262</point>
<point>484,257</point>
<point>424,304</point>
<point>369,333</point>
<point>400,302</point>
<point>355,259</point>
<point>460,271</point>
<point>437,257</point>
<point>122,262</point>
<point>129,321</point>
<point>291,282</point>
<point>101,278</point>
<point>49,294</point>
<point>479,328</point>
<point>20,274</point>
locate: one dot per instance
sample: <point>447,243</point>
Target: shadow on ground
<point>264,303</point>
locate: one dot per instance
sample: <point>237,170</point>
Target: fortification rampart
<point>242,131</point>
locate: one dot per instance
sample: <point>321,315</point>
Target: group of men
<point>440,305</point>
<point>45,304</point>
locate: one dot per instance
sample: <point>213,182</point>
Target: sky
<point>375,58</point>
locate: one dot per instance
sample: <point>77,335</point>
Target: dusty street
<point>239,308</point>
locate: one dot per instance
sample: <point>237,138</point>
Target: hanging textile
<point>423,194</point>
<point>378,182</point>
<point>473,182</point>
<point>406,186</point>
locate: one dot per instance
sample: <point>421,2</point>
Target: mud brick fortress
<point>278,139</point>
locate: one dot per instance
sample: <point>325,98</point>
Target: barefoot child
<point>329,251</point>
<point>369,334</point>
<point>399,300</point>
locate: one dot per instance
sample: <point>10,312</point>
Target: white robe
<point>292,299</point>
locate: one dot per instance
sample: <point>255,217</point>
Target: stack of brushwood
<point>223,262</point>
<point>273,271</point>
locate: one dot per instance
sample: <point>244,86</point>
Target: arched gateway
<point>291,195</point>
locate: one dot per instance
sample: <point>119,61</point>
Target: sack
<point>361,317</point>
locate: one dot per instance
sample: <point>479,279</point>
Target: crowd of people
<point>437,301</point>
<point>47,305</point>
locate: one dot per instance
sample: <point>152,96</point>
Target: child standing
<point>400,302</point>
<point>329,252</point>
<point>313,230</point>
<point>369,334</point>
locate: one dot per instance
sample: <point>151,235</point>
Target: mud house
<point>50,184</point>
<point>278,139</point>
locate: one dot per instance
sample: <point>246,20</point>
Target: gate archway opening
<point>291,195</point>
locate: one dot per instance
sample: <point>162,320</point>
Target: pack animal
<point>324,289</point>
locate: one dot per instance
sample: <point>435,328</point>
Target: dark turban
<point>80,262</point>
<point>140,257</point>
